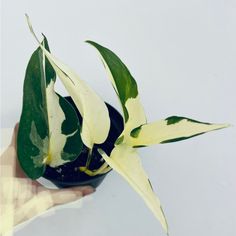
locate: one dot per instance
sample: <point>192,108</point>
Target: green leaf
<point>125,86</point>
<point>172,129</point>
<point>123,82</point>
<point>49,129</point>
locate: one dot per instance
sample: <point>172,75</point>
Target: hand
<point>22,198</point>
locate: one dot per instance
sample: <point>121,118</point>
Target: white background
<point>183,55</point>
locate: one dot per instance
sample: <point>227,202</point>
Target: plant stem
<point>89,158</point>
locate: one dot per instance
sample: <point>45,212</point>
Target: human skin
<point>22,198</point>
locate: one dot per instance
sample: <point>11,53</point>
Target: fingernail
<point>88,190</point>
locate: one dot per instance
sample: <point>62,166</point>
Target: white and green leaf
<point>95,128</point>
<point>49,129</point>
<point>172,129</point>
<point>137,133</point>
<point>125,160</point>
<point>126,88</point>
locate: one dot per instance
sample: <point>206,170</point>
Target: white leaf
<point>125,160</point>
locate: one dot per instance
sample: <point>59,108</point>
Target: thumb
<point>14,135</point>
<point>63,196</point>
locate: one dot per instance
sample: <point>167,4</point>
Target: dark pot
<point>69,175</point>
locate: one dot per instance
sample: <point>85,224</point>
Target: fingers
<point>62,196</point>
<point>87,190</point>
<point>38,204</point>
<point>18,170</point>
<point>14,135</point>
<point>13,156</point>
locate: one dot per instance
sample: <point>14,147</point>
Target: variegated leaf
<point>96,120</point>
<point>126,88</point>
<point>125,160</point>
<point>171,129</point>
<point>49,129</point>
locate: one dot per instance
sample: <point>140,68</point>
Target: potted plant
<point>77,140</point>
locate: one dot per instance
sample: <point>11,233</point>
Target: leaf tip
<point>223,126</point>
<point>31,27</point>
<point>28,21</point>
<point>91,42</point>
<point>229,125</point>
<point>88,41</point>
<point>164,222</point>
